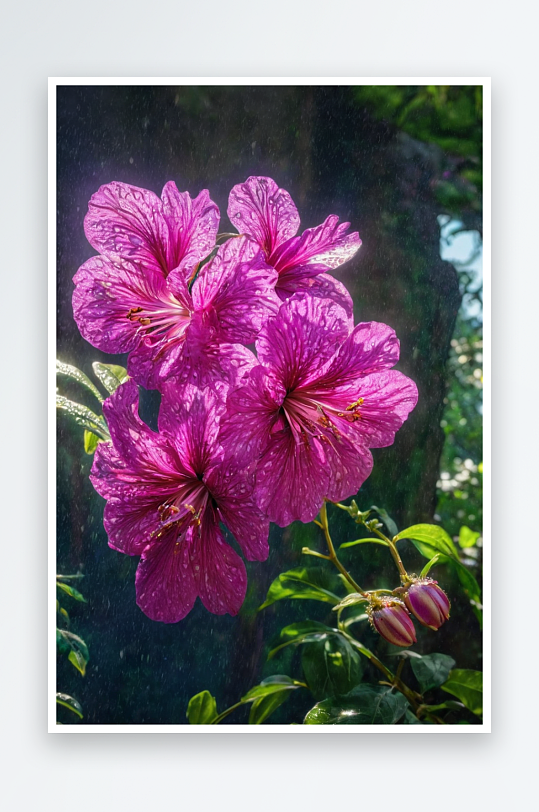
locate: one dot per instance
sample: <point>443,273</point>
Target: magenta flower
<point>391,620</point>
<point>129,223</point>
<point>136,297</point>
<point>166,494</point>
<point>268,214</point>
<point>321,396</point>
<point>428,602</point>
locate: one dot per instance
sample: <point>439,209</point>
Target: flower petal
<point>205,361</point>
<point>328,245</point>
<point>189,418</point>
<point>232,490</point>
<point>165,584</point>
<point>322,286</point>
<point>371,347</point>
<point>128,222</point>
<point>219,572</point>
<point>106,291</point>
<point>304,335</point>
<point>239,287</point>
<point>292,478</point>
<point>261,210</point>
<point>147,455</point>
<point>350,464</point>
<point>251,411</point>
<point>388,398</point>
<point>192,225</point>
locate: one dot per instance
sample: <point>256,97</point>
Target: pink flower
<point>321,396</point>
<point>428,602</point>
<point>166,494</point>
<point>155,234</point>
<point>390,618</point>
<point>268,214</point>
<point>136,296</point>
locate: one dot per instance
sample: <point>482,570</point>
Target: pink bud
<point>390,618</point>
<point>428,602</point>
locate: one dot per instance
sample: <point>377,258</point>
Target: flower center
<point>161,322</point>
<point>309,417</point>
<point>184,507</point>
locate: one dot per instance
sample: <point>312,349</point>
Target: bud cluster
<point>422,597</point>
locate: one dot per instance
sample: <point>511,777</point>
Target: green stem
<point>393,679</point>
<point>332,554</point>
<point>394,552</point>
<point>226,712</point>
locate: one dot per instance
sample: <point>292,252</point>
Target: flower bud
<point>390,618</point>
<point>428,602</point>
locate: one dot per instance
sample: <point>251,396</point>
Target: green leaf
<point>90,441</point>
<point>431,534</point>
<point>411,719</point>
<point>110,375</point>
<point>467,686</point>
<point>271,685</point>
<point>428,566</point>
<point>264,707</point>
<point>364,705</point>
<point>79,376</point>
<point>77,659</point>
<point>450,704</point>
<point>298,632</point>
<point>77,648</point>
<point>363,541</point>
<point>351,600</point>
<point>202,709</point>
<point>432,670</point>
<point>70,703</point>
<point>73,593</point>
<point>83,416</point>
<point>331,666</point>
<point>387,520</point>
<point>467,537</point>
<point>314,583</point>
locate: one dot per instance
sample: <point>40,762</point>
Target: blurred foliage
<point>450,117</point>
<point>68,643</point>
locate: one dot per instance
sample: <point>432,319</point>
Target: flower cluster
<point>244,438</point>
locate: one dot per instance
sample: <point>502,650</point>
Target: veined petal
<point>304,335</point>
<point>387,398</point>
<point>165,584</point>
<point>292,478</point>
<point>189,419</point>
<point>219,572</point>
<point>192,225</point>
<point>251,411</point>
<point>371,347</point>
<point>204,360</point>
<point>128,222</point>
<point>232,490</point>
<point>328,245</point>
<point>350,464</point>
<point>147,454</point>
<point>264,212</point>
<point>239,287</point>
<point>131,517</point>
<point>321,286</point>
<point>107,291</point>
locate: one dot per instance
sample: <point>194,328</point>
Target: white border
<point>53,83</point>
